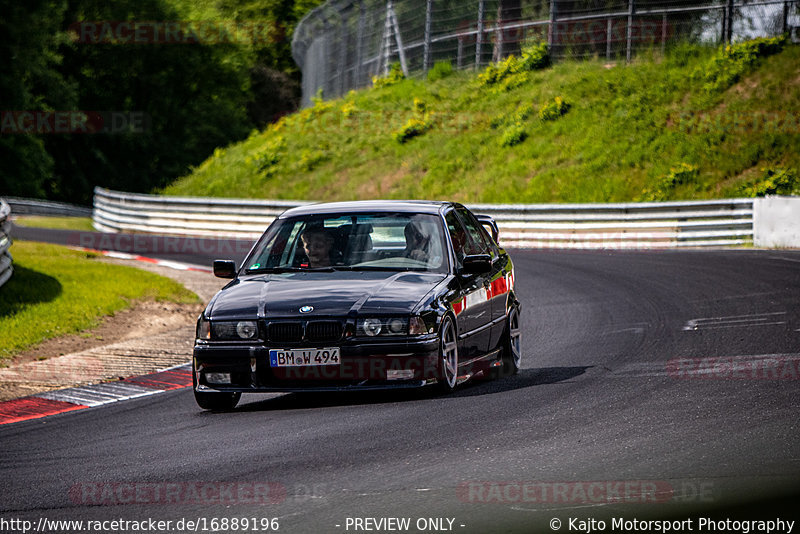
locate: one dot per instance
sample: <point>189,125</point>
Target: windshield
<point>365,241</point>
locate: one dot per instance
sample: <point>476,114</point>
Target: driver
<point>417,242</point>
<point>317,244</point>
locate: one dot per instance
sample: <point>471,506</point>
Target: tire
<point>218,402</point>
<point>448,357</point>
<point>512,346</point>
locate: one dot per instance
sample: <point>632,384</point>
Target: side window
<point>458,236</point>
<point>487,237</point>
<point>478,242</point>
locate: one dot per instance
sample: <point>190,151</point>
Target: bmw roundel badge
<point>306,309</point>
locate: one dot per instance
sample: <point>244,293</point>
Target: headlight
<point>234,330</point>
<point>396,325</point>
<point>383,326</point>
<point>247,329</point>
<point>371,326</point>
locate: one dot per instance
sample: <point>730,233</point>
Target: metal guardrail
<point>29,206</point>
<point>6,267</point>
<point>709,223</point>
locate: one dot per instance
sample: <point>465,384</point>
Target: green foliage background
<point>195,96</point>
<point>699,122</point>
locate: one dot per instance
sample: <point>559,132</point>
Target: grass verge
<point>81,224</point>
<point>56,291</point>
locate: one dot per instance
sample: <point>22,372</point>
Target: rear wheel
<point>448,356</point>
<point>512,346</point>
<point>216,401</point>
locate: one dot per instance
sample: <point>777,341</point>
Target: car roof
<point>364,206</point>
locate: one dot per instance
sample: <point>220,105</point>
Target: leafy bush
<point>774,182</point>
<point>535,57</point>
<point>554,109</point>
<point>440,70</point>
<point>311,159</point>
<point>395,76</point>
<point>731,62</point>
<point>349,109</point>
<point>415,126</point>
<point>513,135</point>
<point>511,71</point>
<point>684,173</point>
<point>269,155</point>
<point>522,113</point>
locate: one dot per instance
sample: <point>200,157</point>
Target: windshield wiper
<point>384,268</point>
<point>275,270</point>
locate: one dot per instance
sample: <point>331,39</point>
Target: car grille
<point>324,331</point>
<point>315,331</point>
<point>286,332</point>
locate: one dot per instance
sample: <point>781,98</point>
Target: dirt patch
<point>142,319</point>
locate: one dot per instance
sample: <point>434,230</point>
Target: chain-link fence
<point>344,43</point>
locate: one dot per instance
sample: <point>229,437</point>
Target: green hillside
<point>696,123</point>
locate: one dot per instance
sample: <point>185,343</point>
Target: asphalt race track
<point>655,385</point>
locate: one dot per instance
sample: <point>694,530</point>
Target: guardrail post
<point>479,37</point>
<point>729,27</point>
<point>785,27</point>
<point>426,55</point>
<point>608,39</point>
<point>359,41</point>
<point>551,28</point>
<point>630,31</point>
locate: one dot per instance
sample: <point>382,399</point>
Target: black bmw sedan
<point>359,296</point>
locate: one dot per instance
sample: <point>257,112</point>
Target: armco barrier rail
<point>6,268</point>
<point>29,206</point>
<point>634,225</point>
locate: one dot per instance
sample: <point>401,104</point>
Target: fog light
<point>218,378</point>
<point>399,374</point>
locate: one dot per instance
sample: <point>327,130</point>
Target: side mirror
<point>224,269</point>
<point>490,224</point>
<point>477,264</point>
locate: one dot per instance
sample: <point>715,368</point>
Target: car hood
<point>328,293</point>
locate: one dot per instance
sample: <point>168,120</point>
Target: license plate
<point>303,357</point>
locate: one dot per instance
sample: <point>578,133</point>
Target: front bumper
<point>364,366</point>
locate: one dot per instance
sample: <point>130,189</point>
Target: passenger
<point>417,243</point>
<point>318,245</point>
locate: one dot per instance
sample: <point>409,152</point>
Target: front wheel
<point>448,357</point>
<point>216,401</point>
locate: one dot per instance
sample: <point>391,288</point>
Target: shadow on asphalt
<point>476,387</point>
